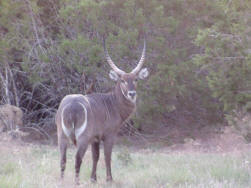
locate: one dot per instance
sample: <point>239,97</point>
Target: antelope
<point>90,119</point>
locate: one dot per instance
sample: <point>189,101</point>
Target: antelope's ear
<point>113,75</point>
<point>143,73</point>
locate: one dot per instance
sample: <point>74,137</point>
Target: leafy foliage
<point>198,53</point>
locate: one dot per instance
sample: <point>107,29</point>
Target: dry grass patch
<point>33,166</point>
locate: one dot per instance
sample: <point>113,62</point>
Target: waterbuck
<point>90,119</point>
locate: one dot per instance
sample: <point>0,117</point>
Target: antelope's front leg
<point>108,144</point>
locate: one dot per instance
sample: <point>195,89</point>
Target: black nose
<point>132,93</point>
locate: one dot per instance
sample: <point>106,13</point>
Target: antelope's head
<point>128,81</point>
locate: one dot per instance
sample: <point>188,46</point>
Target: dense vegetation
<point>198,53</point>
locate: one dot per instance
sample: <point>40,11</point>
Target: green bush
<point>198,54</point>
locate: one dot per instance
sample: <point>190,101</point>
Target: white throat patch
<point>133,100</point>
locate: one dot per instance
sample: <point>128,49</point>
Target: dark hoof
<point>109,179</point>
<point>94,180</point>
<point>77,181</point>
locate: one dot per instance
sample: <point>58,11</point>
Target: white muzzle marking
<point>81,129</point>
<point>132,95</point>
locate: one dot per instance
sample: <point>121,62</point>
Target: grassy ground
<point>33,166</point>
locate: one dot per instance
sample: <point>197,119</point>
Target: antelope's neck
<point>125,107</point>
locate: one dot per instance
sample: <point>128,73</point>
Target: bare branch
<point>34,25</point>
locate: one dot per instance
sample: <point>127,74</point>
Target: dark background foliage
<point>198,54</point>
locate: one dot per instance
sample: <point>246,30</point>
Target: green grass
<point>38,167</point>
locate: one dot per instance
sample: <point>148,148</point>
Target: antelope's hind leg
<point>82,145</point>
<point>63,142</point>
<point>95,158</point>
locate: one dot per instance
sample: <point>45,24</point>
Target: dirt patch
<point>227,141</point>
<point>9,142</point>
<point>204,139</point>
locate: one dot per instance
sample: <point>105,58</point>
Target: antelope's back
<point>102,114</point>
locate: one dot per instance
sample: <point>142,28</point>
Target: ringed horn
<point>119,71</point>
